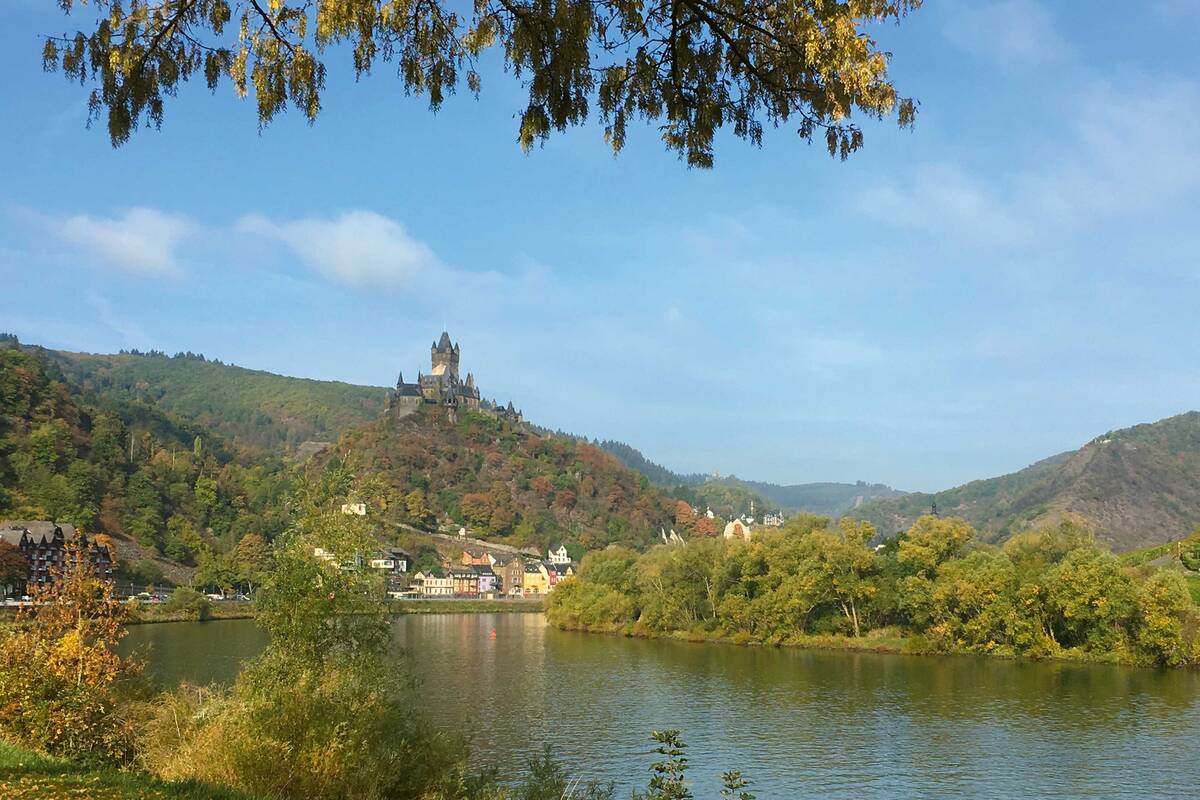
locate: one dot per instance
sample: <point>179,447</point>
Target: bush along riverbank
<point>1047,593</point>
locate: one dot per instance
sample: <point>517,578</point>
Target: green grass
<point>464,606</point>
<point>25,775</point>
<point>157,613</point>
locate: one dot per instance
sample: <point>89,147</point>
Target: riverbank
<point>25,775</point>
<point>467,606</point>
<point>884,640</point>
<point>155,614</point>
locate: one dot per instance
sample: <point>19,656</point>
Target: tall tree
<point>250,557</point>
<point>690,67</point>
<point>13,568</point>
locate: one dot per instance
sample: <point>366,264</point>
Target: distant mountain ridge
<point>826,498</point>
<point>1136,487</point>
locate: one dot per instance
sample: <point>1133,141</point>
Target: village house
<point>536,580</point>
<point>510,572</point>
<point>488,582</point>
<point>43,544</point>
<point>558,554</point>
<point>556,573</point>
<point>434,583</point>
<point>391,560</point>
<point>465,579</point>
<point>393,563</point>
<point>475,558</point>
<point>773,519</point>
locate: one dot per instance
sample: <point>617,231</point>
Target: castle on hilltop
<point>443,387</point>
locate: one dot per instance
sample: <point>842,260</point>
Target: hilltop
<point>168,493</point>
<point>1136,487</point>
<point>250,409</point>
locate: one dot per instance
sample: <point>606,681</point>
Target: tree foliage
<point>119,467</point>
<point>1048,592</point>
<point>61,681</point>
<point>503,482</point>
<point>691,67</point>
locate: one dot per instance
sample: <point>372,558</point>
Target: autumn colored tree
<point>416,507</point>
<point>688,67</point>
<point>61,679</point>
<point>685,517</point>
<point>13,567</point>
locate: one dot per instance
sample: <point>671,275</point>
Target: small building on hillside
<point>773,519</point>
<point>391,560</point>
<point>472,557</point>
<point>738,529</point>
<point>558,554</point>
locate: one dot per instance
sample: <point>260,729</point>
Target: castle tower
<point>444,357</point>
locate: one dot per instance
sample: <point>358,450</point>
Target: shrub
<point>60,681</point>
<point>189,601</point>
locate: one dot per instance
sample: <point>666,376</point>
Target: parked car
<point>215,596</point>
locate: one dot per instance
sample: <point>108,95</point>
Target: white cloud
<point>1131,156</point>
<point>360,248</point>
<point>142,240</point>
<point>1013,33</point>
<point>943,199</point>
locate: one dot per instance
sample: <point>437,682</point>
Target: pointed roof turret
<point>471,380</point>
<point>444,342</point>
<point>400,380</point>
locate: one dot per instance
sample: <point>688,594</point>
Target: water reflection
<point>800,723</point>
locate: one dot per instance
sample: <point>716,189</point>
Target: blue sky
<point>1013,277</point>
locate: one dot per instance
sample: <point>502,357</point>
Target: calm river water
<point>799,723</point>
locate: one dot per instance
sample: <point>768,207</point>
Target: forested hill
<point>249,408</point>
<point>504,482</point>
<point>166,491</point>
<point>828,499</point>
<point>1137,487</point>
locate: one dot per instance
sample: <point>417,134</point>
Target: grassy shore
<point>465,606</point>
<point>151,614</point>
<point>884,640</point>
<point>25,775</point>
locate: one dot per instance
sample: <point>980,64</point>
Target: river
<point>798,723</point>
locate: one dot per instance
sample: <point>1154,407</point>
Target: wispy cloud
<point>1132,154</point>
<point>359,248</point>
<point>1015,34</point>
<point>141,240</point>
